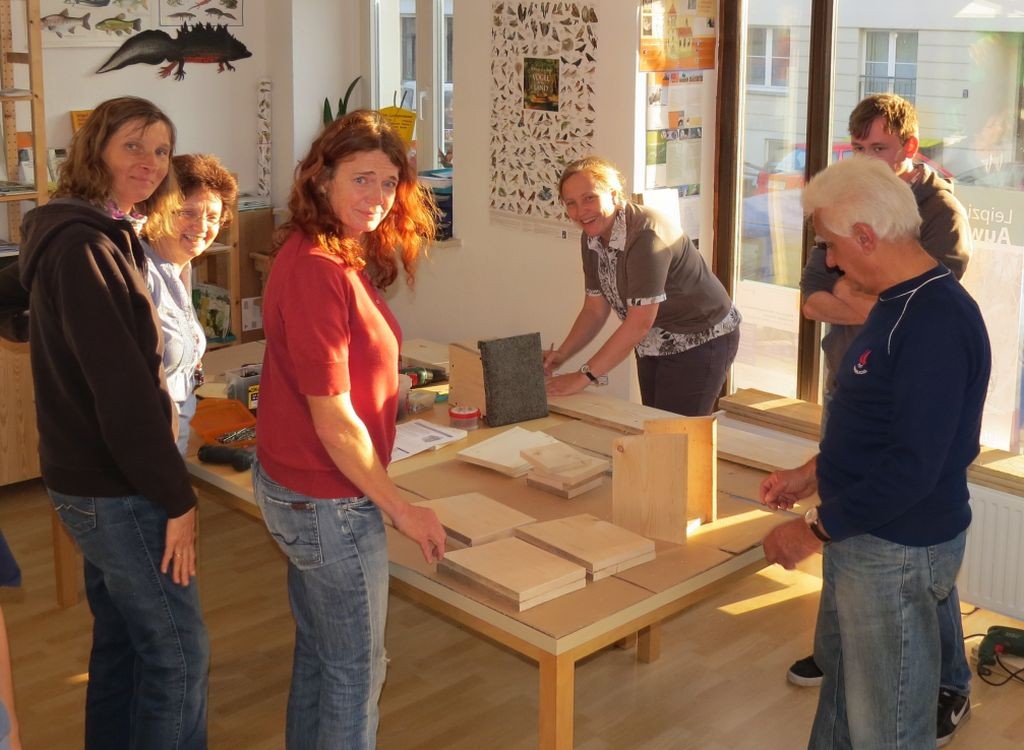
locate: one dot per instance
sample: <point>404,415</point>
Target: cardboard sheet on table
<point>455,477</point>
<point>556,618</point>
<point>674,564</point>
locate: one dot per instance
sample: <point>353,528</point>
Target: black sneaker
<point>954,710</point>
<point>805,672</point>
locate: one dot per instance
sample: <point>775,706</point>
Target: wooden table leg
<point>557,699</point>
<point>648,647</point>
<point>626,643</point>
<point>67,563</point>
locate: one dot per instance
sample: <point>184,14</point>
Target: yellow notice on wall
<point>402,120</point>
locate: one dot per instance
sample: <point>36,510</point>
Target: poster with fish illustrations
<point>95,23</point>
<point>217,12</point>
<point>543,62</point>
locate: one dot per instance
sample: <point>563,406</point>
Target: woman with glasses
<point>208,191</point>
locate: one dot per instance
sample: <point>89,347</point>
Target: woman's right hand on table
<point>423,527</point>
<point>553,359</point>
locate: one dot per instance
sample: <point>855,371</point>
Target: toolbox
<point>221,421</point>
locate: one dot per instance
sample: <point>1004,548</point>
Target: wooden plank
<point>473,518</point>
<point>513,569</point>
<point>701,461</point>
<point>607,411</point>
<point>762,448</point>
<point>789,414</point>
<point>611,570</point>
<point>587,541</point>
<point>649,485</point>
<point>466,377</point>
<point>560,461</point>
<point>19,440</point>
<point>502,453</point>
<point>589,437</point>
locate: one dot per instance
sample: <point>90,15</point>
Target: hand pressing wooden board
<point>514,569</point>
<point>587,541</point>
<point>473,518</point>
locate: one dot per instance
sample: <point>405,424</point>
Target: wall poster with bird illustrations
<point>95,23</point>
<point>543,63</point>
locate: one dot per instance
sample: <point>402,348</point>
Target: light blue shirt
<point>184,338</point>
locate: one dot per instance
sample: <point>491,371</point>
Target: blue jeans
<point>338,589</point>
<point>150,653</point>
<point>877,642</point>
<point>956,671</point>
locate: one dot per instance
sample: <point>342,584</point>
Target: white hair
<point>863,190</point>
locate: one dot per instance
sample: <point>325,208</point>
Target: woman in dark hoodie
<point>107,429</point>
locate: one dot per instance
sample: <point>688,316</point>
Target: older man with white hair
<point>892,471</point>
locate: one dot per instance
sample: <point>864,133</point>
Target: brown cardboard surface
<point>473,518</point>
<point>674,564</point>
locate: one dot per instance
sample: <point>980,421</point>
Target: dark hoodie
<point>105,418</point>
<point>13,304</point>
<point>945,235</point>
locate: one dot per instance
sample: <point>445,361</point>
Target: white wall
<point>501,281</point>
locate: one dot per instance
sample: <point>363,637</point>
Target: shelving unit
<point>19,440</point>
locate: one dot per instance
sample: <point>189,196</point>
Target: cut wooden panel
<point>19,440</point>
<point>789,414</point>
<point>555,487</point>
<point>601,547</point>
<point>607,411</point>
<point>701,461</point>
<point>466,377</point>
<point>673,564</point>
<point>473,519</point>
<point>563,462</point>
<point>649,475</point>
<point>587,541</point>
<point>514,569</point>
<point>762,448</point>
<point>998,470</point>
<point>502,452</point>
<point>589,437</point>
<point>496,600</point>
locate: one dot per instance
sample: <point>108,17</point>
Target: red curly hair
<point>404,231</point>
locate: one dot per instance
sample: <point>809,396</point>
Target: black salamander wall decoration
<point>201,43</point>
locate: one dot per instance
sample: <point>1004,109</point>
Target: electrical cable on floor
<point>968,614</point>
<point>1011,674</point>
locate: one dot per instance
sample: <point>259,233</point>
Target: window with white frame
<point>890,64</point>
<point>768,57</point>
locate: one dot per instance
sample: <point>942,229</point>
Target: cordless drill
<point>1000,639</point>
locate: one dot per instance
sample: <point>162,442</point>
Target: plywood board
<point>502,452</point>
<point>473,518</point>
<point>762,448</point>
<point>466,377</point>
<point>541,482</point>
<point>792,415</point>
<point>606,411</point>
<point>649,485</point>
<point>587,541</point>
<point>589,437</point>
<point>512,568</point>
<point>701,461</point>
<point>742,529</point>
<point>563,462</point>
<point>611,570</point>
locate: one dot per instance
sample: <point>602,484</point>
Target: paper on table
<point>420,435</point>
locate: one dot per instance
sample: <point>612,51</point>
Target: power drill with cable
<point>1000,639</point>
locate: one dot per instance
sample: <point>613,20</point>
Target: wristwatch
<point>594,379</point>
<point>814,524</point>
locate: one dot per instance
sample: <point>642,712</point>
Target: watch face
<point>585,369</point>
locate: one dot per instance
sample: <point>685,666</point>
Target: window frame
<point>769,57</point>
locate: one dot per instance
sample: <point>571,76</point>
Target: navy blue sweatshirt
<point>906,417</point>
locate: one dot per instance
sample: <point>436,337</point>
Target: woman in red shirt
<point>328,402</point>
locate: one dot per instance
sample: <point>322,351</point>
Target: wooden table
<point>623,609</point>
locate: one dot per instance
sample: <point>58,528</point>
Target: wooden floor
<point>719,684</point>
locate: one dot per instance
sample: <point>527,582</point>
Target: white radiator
<point>992,575</point>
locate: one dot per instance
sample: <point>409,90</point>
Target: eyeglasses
<point>191,216</point>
